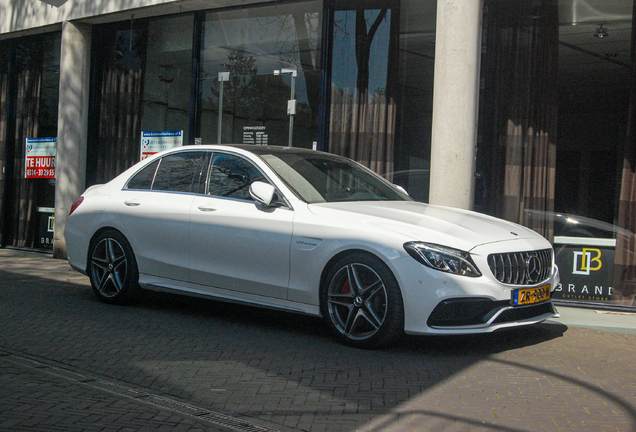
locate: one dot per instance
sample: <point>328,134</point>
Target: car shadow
<point>475,344</point>
<point>207,352</point>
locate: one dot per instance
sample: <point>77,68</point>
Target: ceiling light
<point>601,32</point>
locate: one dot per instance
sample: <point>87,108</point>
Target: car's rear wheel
<point>113,268</point>
<point>362,303</point>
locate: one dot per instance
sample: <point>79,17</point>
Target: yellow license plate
<point>530,295</point>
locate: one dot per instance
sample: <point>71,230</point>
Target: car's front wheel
<point>113,268</point>
<point>362,303</point>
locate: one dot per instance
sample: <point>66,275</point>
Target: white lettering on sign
<point>39,158</point>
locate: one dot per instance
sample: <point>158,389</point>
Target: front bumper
<point>475,313</point>
<point>439,303</point>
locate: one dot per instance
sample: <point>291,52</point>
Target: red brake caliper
<point>345,288</point>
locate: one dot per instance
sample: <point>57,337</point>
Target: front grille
<point>521,268</point>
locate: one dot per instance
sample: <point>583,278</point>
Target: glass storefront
<point>252,62</point>
<point>556,141</point>
<point>381,63</point>
<point>116,101</point>
<point>29,87</point>
<point>555,136</point>
<point>595,93</point>
<point>414,96</point>
<point>362,105</point>
<point>168,75</point>
<point>263,68</point>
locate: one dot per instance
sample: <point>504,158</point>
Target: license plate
<point>530,295</point>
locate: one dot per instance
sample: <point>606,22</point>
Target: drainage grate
<point>117,389</point>
<point>66,374</point>
<point>172,405</point>
<point>234,423</point>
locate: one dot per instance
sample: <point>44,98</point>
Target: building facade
<point>520,109</point>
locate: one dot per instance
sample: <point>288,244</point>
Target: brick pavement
<point>255,369</point>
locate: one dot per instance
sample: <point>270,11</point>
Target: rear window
<point>178,172</point>
<point>143,179</point>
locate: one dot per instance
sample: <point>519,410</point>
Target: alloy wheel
<point>109,267</point>
<point>357,301</point>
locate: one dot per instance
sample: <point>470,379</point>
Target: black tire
<point>361,301</point>
<point>112,268</point>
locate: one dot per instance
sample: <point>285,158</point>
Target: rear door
<point>155,209</point>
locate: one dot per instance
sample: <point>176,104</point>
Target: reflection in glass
<point>250,44</point>
<point>179,172</point>
<point>317,178</point>
<point>115,111</point>
<point>168,74</point>
<point>414,97</point>
<point>231,177</point>
<point>362,121</point>
<point>29,94</point>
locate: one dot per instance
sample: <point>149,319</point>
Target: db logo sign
<point>586,261</point>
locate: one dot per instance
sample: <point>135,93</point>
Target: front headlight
<point>443,258</point>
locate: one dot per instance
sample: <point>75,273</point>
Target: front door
<point>236,244</point>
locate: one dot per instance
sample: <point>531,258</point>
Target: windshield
<point>322,177</point>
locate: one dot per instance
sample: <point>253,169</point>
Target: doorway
<point>30,87</point>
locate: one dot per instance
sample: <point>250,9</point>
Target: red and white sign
<point>40,158</point>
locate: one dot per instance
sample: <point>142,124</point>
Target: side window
<point>143,179</point>
<point>231,176</point>
<point>179,172</point>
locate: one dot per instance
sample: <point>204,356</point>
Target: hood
<point>424,222</point>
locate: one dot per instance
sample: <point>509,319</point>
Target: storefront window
<point>29,101</point>
<point>381,70</point>
<point>414,97</point>
<point>118,53</point>
<point>5,53</point>
<point>247,47</point>
<point>556,140</point>
<point>168,75</point>
<point>595,164</point>
<point>362,120</point>
<point>518,131</point>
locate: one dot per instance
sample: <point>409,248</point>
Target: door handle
<point>132,202</point>
<point>207,207</point>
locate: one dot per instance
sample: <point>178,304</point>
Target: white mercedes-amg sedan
<point>307,232</point>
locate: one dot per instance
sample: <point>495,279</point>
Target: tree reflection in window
<point>231,176</point>
<point>179,172</point>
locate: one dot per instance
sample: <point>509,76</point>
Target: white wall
<point>16,15</point>
<point>20,15</point>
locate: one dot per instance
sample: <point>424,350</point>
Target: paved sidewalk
<point>598,319</point>
<point>71,363</point>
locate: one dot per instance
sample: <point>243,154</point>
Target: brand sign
<point>155,141</point>
<point>586,272</point>
<point>39,158</point>
<point>46,227</point>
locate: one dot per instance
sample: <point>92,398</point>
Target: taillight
<point>76,204</point>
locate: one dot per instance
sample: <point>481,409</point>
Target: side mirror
<point>401,189</point>
<point>262,193</point>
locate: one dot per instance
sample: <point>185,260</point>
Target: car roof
<point>262,149</point>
